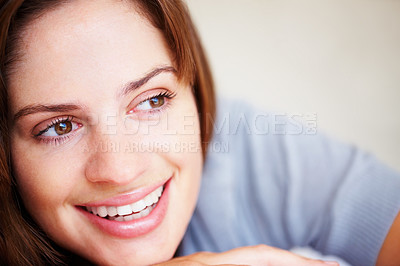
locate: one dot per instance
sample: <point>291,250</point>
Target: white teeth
<point>151,198</point>
<point>136,210</point>
<point>119,219</point>
<point>128,218</point>
<point>136,215</point>
<point>159,191</point>
<point>150,208</point>
<point>138,206</point>
<point>124,210</point>
<point>133,216</point>
<point>148,200</point>
<point>154,198</point>
<point>145,212</point>
<point>112,211</point>
<point>102,211</point>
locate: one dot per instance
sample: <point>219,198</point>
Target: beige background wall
<point>337,58</point>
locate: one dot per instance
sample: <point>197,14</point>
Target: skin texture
<point>389,254</point>
<point>251,255</point>
<point>84,53</point>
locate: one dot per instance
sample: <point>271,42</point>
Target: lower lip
<point>136,227</point>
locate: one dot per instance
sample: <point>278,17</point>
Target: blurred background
<point>339,59</point>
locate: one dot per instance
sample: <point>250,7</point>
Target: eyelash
<point>56,140</point>
<point>166,94</point>
<point>63,138</point>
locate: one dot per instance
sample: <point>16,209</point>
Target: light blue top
<point>269,180</point>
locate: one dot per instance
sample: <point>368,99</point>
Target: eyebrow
<point>134,85</point>
<point>38,108</point>
<point>58,108</point>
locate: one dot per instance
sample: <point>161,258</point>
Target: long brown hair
<point>21,241</point>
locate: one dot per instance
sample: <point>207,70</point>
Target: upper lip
<point>127,198</point>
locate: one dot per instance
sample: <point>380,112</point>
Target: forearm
<point>390,251</point>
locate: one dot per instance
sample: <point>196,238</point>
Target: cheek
<point>43,183</point>
<point>177,131</point>
<point>186,152</point>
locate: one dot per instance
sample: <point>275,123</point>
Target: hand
<point>253,255</point>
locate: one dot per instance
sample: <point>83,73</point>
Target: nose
<point>109,161</point>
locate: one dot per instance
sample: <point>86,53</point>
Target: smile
<point>129,215</point>
<point>136,210</point>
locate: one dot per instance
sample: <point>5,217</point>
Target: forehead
<point>86,44</point>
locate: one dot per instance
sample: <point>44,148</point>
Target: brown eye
<point>157,102</point>
<point>63,127</point>
<point>154,104</point>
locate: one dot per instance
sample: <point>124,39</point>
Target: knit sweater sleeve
<point>339,200</point>
<point>282,186</point>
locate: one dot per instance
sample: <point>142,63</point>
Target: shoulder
<point>277,140</point>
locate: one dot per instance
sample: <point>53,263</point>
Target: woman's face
<point>100,124</point>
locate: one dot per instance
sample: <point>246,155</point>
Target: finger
<point>284,257</point>
<point>260,255</point>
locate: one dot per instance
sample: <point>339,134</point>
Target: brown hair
<point>21,241</point>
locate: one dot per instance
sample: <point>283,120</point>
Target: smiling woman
<point>107,111</point>
<point>99,60</point>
